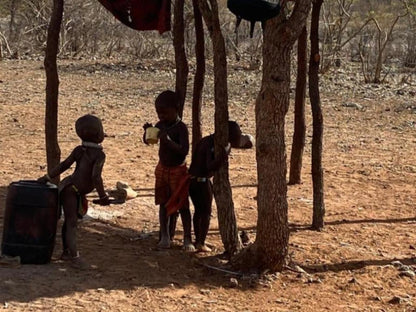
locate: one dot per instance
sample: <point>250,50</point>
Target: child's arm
<point>63,166</point>
<point>182,147</point>
<point>215,163</point>
<point>145,126</point>
<point>98,181</point>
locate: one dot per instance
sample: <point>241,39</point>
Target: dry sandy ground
<point>370,197</point>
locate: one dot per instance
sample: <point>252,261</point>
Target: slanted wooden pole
<point>199,75</point>
<point>318,124</point>
<point>181,62</point>
<point>53,152</point>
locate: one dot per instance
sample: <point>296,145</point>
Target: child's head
<point>166,105</point>
<point>234,133</point>
<point>90,129</point>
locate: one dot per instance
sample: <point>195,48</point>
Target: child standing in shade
<point>202,168</point>
<point>171,169</point>
<point>89,158</point>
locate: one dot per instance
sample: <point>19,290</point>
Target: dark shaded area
<point>121,258</point>
<point>125,258</point>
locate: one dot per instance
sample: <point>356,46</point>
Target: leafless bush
<point>338,28</point>
<point>379,34</point>
<point>29,29</point>
<point>88,29</point>
<point>410,55</point>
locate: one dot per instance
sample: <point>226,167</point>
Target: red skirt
<point>171,181</point>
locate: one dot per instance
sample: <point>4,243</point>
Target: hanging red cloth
<point>141,14</point>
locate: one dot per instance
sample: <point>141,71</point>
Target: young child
<point>171,169</point>
<point>202,168</point>
<point>89,158</point>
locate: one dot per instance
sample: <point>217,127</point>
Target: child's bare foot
<point>202,248</point>
<point>164,243</point>
<point>188,247</point>
<point>65,256</point>
<point>79,263</point>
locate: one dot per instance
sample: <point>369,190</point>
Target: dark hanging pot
<point>253,11</point>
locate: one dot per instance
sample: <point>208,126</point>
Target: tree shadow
<point>394,220</point>
<point>126,259</point>
<point>300,227</point>
<point>354,265</point>
<point>295,227</point>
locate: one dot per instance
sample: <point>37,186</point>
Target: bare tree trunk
<point>222,188</point>
<point>379,64</point>
<point>270,249</point>
<point>298,142</point>
<point>13,9</point>
<point>199,75</point>
<point>53,153</point>
<point>410,59</point>
<point>318,124</point>
<point>181,62</point>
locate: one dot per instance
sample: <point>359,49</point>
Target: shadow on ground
<point>125,259</point>
<point>121,259</point>
<point>356,265</point>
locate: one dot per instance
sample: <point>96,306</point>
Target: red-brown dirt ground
<point>363,260</point>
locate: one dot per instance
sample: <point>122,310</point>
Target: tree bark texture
<point>222,188</point>
<point>12,26</point>
<point>317,137</point>
<point>181,62</point>
<point>270,249</point>
<point>199,75</point>
<point>299,132</point>
<point>53,152</point>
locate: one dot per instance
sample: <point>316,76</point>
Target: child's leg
<point>204,223</point>
<point>70,201</point>
<point>196,200</point>
<point>201,195</point>
<point>172,225</point>
<point>187,227</point>
<point>164,228</point>
<point>63,235</point>
<point>197,224</point>
<point>65,253</point>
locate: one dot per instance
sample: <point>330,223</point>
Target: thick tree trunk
<point>270,249</point>
<point>199,75</point>
<point>53,153</point>
<point>317,137</point>
<point>222,188</point>
<point>271,108</point>
<point>181,61</point>
<point>298,142</point>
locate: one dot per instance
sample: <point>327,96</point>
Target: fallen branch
<point>222,270</point>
